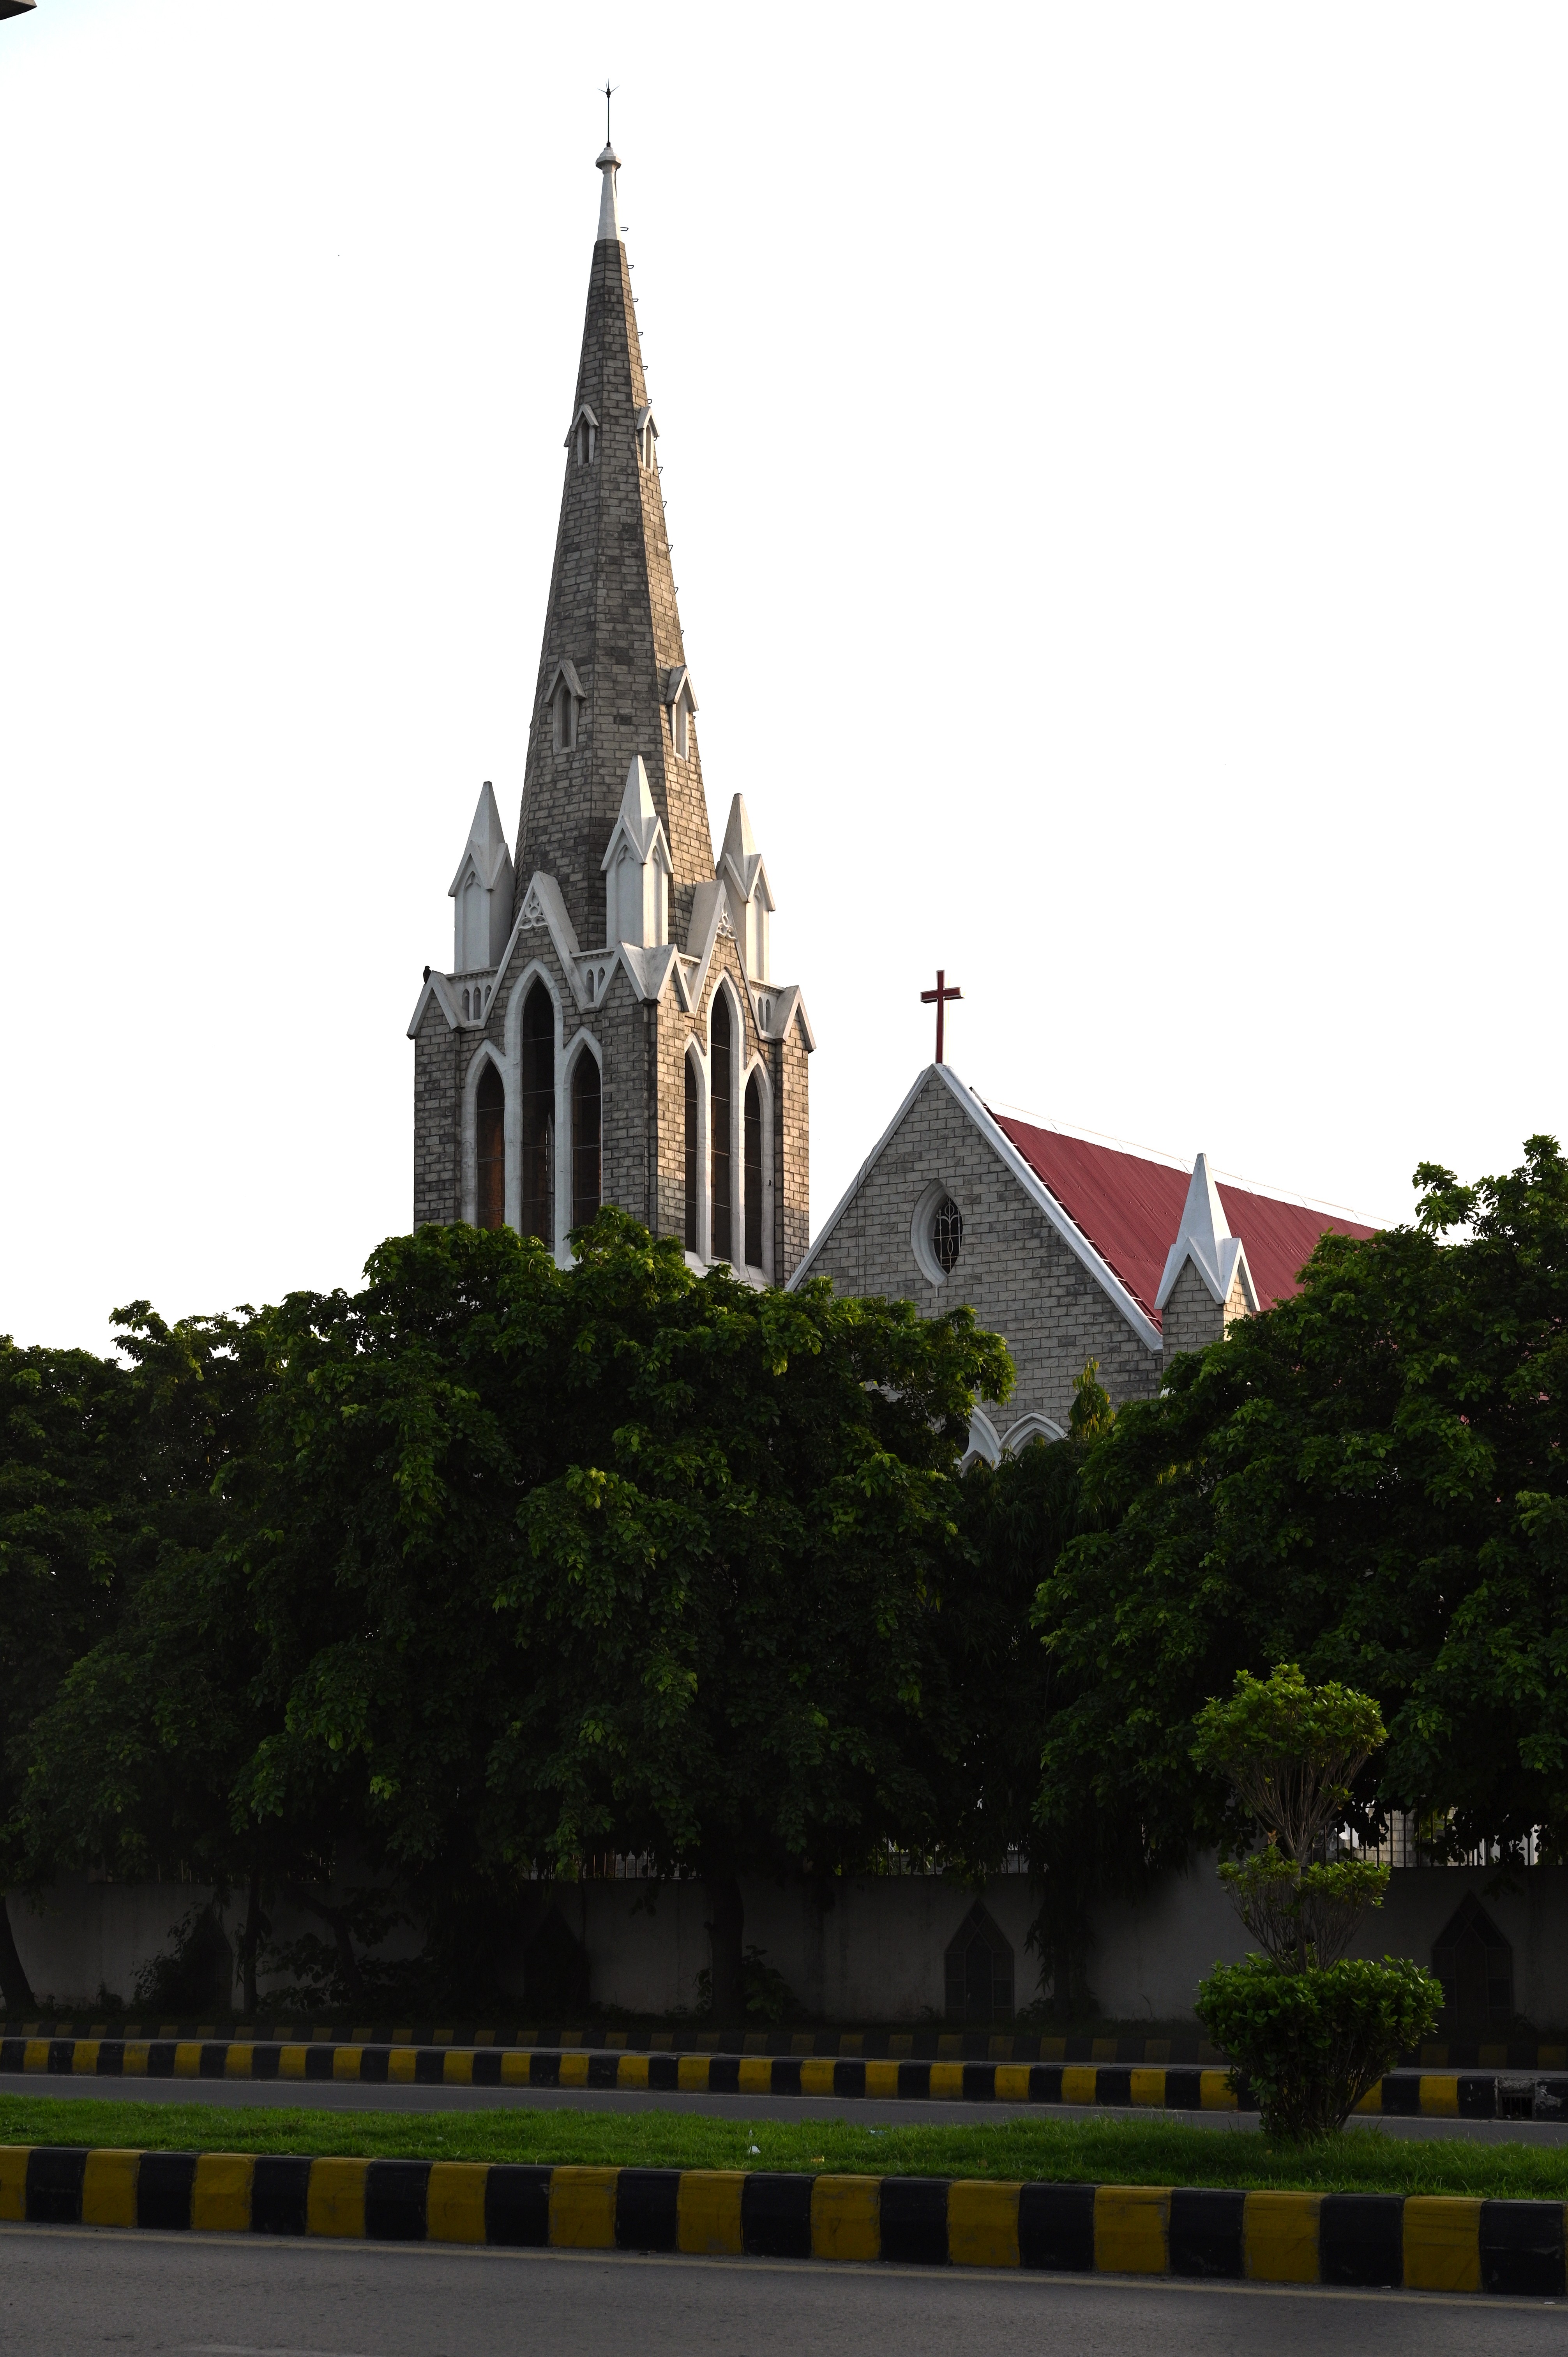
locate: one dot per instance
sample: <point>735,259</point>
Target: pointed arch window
<point>646,435</point>
<point>586,1174</point>
<point>754,1172</point>
<point>681,701</point>
<point>538,1116</point>
<point>718,1121</point>
<point>490,1150</point>
<point>563,717</point>
<point>584,439</point>
<point>691,1155</point>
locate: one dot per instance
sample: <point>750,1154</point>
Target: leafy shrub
<point>195,1976</point>
<point>1311,2044</point>
<point>768,1997</point>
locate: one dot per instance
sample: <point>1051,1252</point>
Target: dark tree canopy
<point>1369,1479</point>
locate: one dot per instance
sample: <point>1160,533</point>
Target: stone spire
<point>612,683</point>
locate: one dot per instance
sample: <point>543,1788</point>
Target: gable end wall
<point>1015,1271</point>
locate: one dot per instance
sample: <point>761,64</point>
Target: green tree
<point>545,1563</point>
<point>1369,1479</point>
<point>132,1757</point>
<point>1017,1519</point>
<point>68,1515</point>
<point>1312,2029</point>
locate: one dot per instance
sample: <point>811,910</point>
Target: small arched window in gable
<point>564,716</point>
<point>538,1116</point>
<point>692,1158</point>
<point>754,1172</point>
<point>585,1134</point>
<point>584,437</point>
<point>646,435</point>
<point>721,1196</point>
<point>490,1150</point>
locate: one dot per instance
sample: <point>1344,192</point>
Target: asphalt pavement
<point>352,2095</point>
<point>65,2290</point>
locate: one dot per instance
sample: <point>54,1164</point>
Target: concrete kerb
<point>1432,2095</point>
<point>1419,2243</point>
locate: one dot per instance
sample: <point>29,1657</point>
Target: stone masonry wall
<point>642,1063</point>
<point>436,1135</point>
<point>1193,1318</point>
<point>1013,1270</point>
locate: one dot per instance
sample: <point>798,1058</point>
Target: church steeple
<point>612,684</point>
<point>611,1031</point>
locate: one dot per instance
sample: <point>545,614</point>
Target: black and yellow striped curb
<point>1401,2094</point>
<point>929,2045</point>
<point>1423,2242</point>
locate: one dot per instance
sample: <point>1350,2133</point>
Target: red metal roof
<point>1130,1209</point>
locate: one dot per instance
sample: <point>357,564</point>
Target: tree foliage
<point>519,1563</point>
<point>1369,1479</point>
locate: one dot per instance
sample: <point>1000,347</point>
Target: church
<point>1070,1248</point>
<point>610,1030</point>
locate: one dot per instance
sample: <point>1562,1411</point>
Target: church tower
<point>610,1031</point>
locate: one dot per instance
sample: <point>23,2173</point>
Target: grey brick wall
<point>1013,1269</point>
<point>1193,1318</point>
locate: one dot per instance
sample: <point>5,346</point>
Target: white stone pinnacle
<point>1204,1237</point>
<point>609,211</point>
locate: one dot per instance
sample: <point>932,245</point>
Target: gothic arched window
<point>565,718</point>
<point>538,1116</point>
<point>585,1104</point>
<point>490,1150</point>
<point>754,1172</point>
<point>718,1124</point>
<point>691,1155</point>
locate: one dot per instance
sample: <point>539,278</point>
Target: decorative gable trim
<point>585,417</point>
<point>1125,1303</point>
<point>435,986</point>
<point>708,913</point>
<point>774,1008</point>
<point>565,670</point>
<point>1204,1238</point>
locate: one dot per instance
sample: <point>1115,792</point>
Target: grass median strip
<point>1105,2152</point>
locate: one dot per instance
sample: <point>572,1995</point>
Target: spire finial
<point>609,164</point>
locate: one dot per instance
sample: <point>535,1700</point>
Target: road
<point>350,2095</point>
<point>64,2290</point>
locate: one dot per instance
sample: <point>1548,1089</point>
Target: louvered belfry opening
<point>538,1116</point>
<point>718,1125</point>
<point>585,1139</point>
<point>490,1150</point>
<point>754,1172</point>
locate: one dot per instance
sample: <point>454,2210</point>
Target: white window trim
<point>694,1055</point>
<point>582,1043</point>
<point>737,1123</point>
<point>920,1243</point>
<point>535,971</point>
<point>487,1052</point>
<point>756,1070</point>
<point>1033,1426</point>
<point>984,1448</point>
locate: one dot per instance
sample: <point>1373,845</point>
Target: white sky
<point>1116,465</point>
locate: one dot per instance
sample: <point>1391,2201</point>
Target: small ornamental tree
<point>1312,2029</point>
